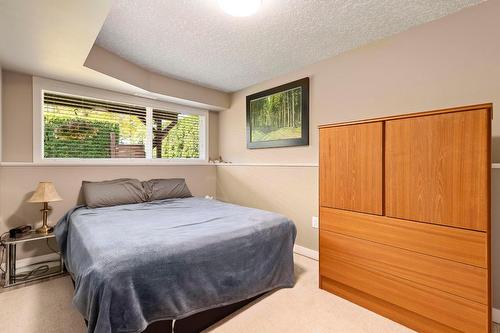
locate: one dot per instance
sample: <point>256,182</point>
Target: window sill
<point>105,163</point>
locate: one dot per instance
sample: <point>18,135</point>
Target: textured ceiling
<point>52,39</point>
<point>195,41</point>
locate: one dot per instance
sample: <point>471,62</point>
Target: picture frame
<point>279,117</point>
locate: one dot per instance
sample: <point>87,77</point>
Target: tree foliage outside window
<point>71,132</point>
<point>92,142</point>
<point>86,133</point>
<point>182,141</point>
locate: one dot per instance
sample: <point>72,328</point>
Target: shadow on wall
<point>495,149</point>
<point>79,200</point>
<point>495,236</point>
<point>25,213</point>
<point>29,213</point>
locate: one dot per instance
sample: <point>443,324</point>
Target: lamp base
<point>44,229</point>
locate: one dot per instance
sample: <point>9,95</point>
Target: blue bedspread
<point>136,264</point>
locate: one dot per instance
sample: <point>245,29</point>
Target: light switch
<point>315,222</point>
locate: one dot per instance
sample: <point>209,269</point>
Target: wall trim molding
<point>291,165</point>
<point>126,162</point>
<point>495,315</point>
<point>306,252</point>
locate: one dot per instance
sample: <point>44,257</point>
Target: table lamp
<point>45,192</point>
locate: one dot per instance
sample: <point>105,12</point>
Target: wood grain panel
<point>465,246</point>
<point>450,310</point>
<point>351,167</point>
<point>463,280</point>
<point>384,308</point>
<point>412,115</point>
<point>437,169</point>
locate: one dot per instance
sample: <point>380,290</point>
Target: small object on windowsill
<point>45,193</point>
<point>209,197</point>
<point>218,161</point>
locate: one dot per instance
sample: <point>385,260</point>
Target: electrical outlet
<point>315,222</point>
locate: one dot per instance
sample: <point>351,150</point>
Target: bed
<point>139,264</point>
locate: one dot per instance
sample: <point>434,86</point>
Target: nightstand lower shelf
<point>12,278</point>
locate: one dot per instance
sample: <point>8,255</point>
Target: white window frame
<point>41,85</point>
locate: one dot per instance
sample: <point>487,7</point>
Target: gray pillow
<point>158,189</point>
<point>113,192</point>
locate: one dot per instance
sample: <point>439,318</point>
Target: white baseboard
<point>306,252</point>
<point>495,315</point>
<point>33,260</point>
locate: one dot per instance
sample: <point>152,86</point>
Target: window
<point>76,127</point>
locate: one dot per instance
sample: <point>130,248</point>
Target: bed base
<point>199,321</point>
<point>196,322</point>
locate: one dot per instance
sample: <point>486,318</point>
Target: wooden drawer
<point>465,246</point>
<point>463,280</point>
<point>401,315</point>
<point>447,309</point>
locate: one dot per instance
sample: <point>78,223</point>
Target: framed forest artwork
<point>279,117</point>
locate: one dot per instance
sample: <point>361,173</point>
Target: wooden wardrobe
<point>405,217</point>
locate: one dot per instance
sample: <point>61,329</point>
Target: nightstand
<point>11,277</point>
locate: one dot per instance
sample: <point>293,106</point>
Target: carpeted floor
<point>46,307</point>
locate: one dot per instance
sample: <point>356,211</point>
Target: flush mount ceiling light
<point>240,8</point>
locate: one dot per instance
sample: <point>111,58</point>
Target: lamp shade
<point>45,192</point>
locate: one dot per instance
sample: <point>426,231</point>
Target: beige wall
<point>18,183</point>
<point>450,62</point>
<point>213,135</point>
<point>495,231</point>
<point>1,103</point>
<point>289,190</point>
<point>17,117</point>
